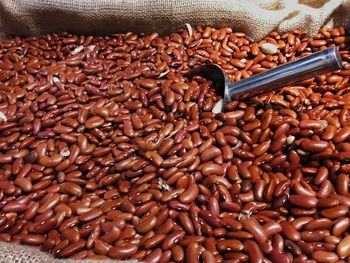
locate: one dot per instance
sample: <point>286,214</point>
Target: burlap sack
<point>255,17</point>
<point>10,253</point>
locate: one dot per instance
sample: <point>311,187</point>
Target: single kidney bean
<point>210,218</point>
<point>303,201</point>
<point>253,251</point>
<point>72,248</point>
<point>335,212</point>
<point>172,239</point>
<point>71,188</point>
<point>278,256</point>
<point>324,256</point>
<point>229,245</point>
<point>272,228</point>
<point>190,194</point>
<point>122,251</point>
<point>313,146</point>
<point>340,226</point>
<point>192,252</point>
<point>317,224</point>
<point>289,231</point>
<point>33,239</point>
<point>253,227</point>
<point>146,225</point>
<point>343,248</point>
<point>208,257</point>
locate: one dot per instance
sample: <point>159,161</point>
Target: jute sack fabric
<point>255,17</point>
<point>10,253</point>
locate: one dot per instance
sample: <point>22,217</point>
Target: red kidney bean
<point>278,256</point>
<point>101,248</point>
<point>178,253</point>
<point>72,248</point>
<point>289,231</point>
<point>14,207</point>
<point>71,188</point>
<point>210,154</point>
<point>253,250</point>
<point>186,222</point>
<point>303,201</point>
<point>324,256</point>
<point>312,236</point>
<point>190,194</point>
<point>317,224</point>
<point>211,168</point>
<point>46,225</point>
<point>313,146</point>
<point>90,215</point>
<point>154,241</point>
<point>208,257</point>
<point>335,212</point>
<point>154,256</point>
<point>146,225</point>
<point>191,239</point>
<point>272,228</point>
<point>166,227</point>
<point>172,239</point>
<point>50,203</point>
<point>343,248</point>
<point>192,252</point>
<point>342,135</point>
<point>340,226</point>
<point>253,227</point>
<point>321,175</point>
<point>342,184</point>
<point>210,218</point>
<point>278,143</point>
<point>32,239</point>
<point>122,251</point>
<point>229,245</point>
<point>115,233</point>
<point>24,183</point>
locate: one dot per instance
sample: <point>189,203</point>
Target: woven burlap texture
<point>255,17</point>
<point>10,253</point>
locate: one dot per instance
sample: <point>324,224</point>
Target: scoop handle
<point>321,62</point>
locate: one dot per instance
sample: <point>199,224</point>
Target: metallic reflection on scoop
<point>321,62</point>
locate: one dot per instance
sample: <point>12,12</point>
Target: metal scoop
<point>308,67</point>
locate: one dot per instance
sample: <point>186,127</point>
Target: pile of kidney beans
<point>108,151</point>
